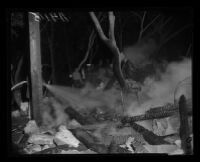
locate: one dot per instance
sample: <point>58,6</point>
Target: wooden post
<point>35,63</point>
<point>184,126</point>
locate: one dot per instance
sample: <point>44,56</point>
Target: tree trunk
<point>111,44</point>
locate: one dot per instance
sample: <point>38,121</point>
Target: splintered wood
<point>153,113</point>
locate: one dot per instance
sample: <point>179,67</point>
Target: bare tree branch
<point>112,26</point>
<point>90,44</point>
<point>175,33</point>
<point>111,43</point>
<point>142,26</point>
<point>136,14</point>
<point>159,28</point>
<point>151,23</point>
<point>98,26</point>
<point>143,18</point>
<point>167,21</point>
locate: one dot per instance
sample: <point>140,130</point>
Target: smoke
<point>53,113</point>
<point>159,89</point>
<point>83,100</point>
<point>140,53</point>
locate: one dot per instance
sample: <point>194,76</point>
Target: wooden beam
<point>73,114</point>
<point>148,135</point>
<point>35,63</point>
<point>184,126</point>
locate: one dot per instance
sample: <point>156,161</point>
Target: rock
<point>128,144</point>
<point>160,126</point>
<point>148,124</point>
<point>134,146</point>
<point>46,130</point>
<point>173,124</point>
<point>45,147</point>
<point>101,86</point>
<point>64,136</point>
<point>77,152</point>
<point>177,152</point>
<point>52,145</point>
<point>89,152</point>
<point>15,114</point>
<point>30,149</point>
<point>31,128</point>
<point>161,148</point>
<point>138,147</point>
<point>166,126</point>
<point>70,152</point>
<point>73,124</point>
<point>59,141</point>
<point>41,139</point>
<point>172,139</point>
<point>24,107</point>
<point>178,143</point>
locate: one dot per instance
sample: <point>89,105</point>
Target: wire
<point>18,84</point>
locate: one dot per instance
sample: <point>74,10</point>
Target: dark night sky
<point>71,38</point>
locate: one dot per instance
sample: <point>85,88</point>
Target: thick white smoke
<point>139,53</point>
<point>157,92</point>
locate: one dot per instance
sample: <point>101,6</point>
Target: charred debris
<point>101,82</point>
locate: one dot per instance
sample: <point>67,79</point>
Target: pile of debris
<point>91,135</point>
<point>76,129</point>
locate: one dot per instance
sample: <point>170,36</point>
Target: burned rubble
<point>129,105</point>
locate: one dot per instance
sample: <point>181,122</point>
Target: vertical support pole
<point>35,63</point>
<point>184,126</point>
